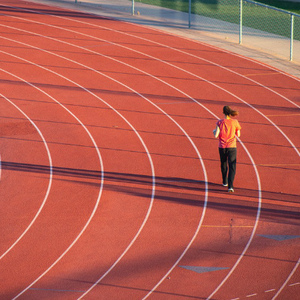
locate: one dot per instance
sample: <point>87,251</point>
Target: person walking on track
<point>227,130</point>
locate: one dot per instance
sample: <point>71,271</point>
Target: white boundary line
<point>254,81</point>
<point>101,185</point>
<point>183,70</point>
<point>101,165</point>
<point>186,53</point>
<point>50,172</point>
<point>97,12</point>
<point>243,101</point>
<point>287,99</point>
<point>147,100</point>
<point>102,176</point>
<point>253,231</point>
<point>206,185</point>
<point>287,280</point>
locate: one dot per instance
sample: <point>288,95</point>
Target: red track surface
<point>110,180</point>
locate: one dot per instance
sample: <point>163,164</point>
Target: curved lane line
<point>194,146</point>
<point>188,54</point>
<point>247,78</point>
<point>162,31</point>
<point>101,185</point>
<point>258,213</point>
<point>246,247</point>
<point>253,231</point>
<point>50,172</point>
<point>227,70</point>
<point>162,61</point>
<point>287,280</point>
<point>169,47</point>
<point>102,173</point>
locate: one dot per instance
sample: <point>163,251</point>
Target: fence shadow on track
<point>179,190</point>
<point>125,11</point>
<point>54,12</point>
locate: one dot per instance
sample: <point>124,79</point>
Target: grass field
<point>182,5</point>
<point>285,5</point>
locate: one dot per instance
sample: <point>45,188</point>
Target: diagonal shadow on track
<point>54,12</point>
<point>180,190</point>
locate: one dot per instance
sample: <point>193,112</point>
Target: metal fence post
<point>241,22</point>
<point>190,12</point>
<point>133,7</point>
<point>292,37</point>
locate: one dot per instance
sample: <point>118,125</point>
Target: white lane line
<point>141,140</point>
<point>195,56</point>
<point>254,228</point>
<point>178,50</point>
<point>100,188</point>
<point>190,73</point>
<point>194,146</point>
<point>258,214</point>
<point>287,280</point>
<point>267,291</point>
<point>278,71</point>
<point>259,112</point>
<point>97,150</point>
<point>50,173</point>
<point>167,63</point>
<point>293,284</point>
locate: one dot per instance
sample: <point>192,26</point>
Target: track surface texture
<point>110,177</point>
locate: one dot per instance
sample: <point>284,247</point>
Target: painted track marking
<point>184,52</point>
<point>194,146</point>
<point>190,73</point>
<point>50,173</point>
<point>287,280</point>
<point>199,227</point>
<point>102,177</point>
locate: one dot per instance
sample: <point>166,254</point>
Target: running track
<point>110,181</point>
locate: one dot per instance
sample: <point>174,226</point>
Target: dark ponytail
<point>227,111</point>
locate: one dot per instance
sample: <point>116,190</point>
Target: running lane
<point>149,102</point>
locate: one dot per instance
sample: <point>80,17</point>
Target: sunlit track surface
<point>147,101</point>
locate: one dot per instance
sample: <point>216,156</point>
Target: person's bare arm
<point>238,133</point>
<point>216,132</point>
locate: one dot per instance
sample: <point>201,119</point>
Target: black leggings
<point>228,158</point>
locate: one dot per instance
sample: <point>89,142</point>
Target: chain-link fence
<point>268,28</point>
<point>242,21</point>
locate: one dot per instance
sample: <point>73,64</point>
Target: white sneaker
<point>231,190</point>
<point>225,184</point>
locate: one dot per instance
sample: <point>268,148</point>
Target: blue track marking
<point>202,269</point>
<point>279,237</point>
